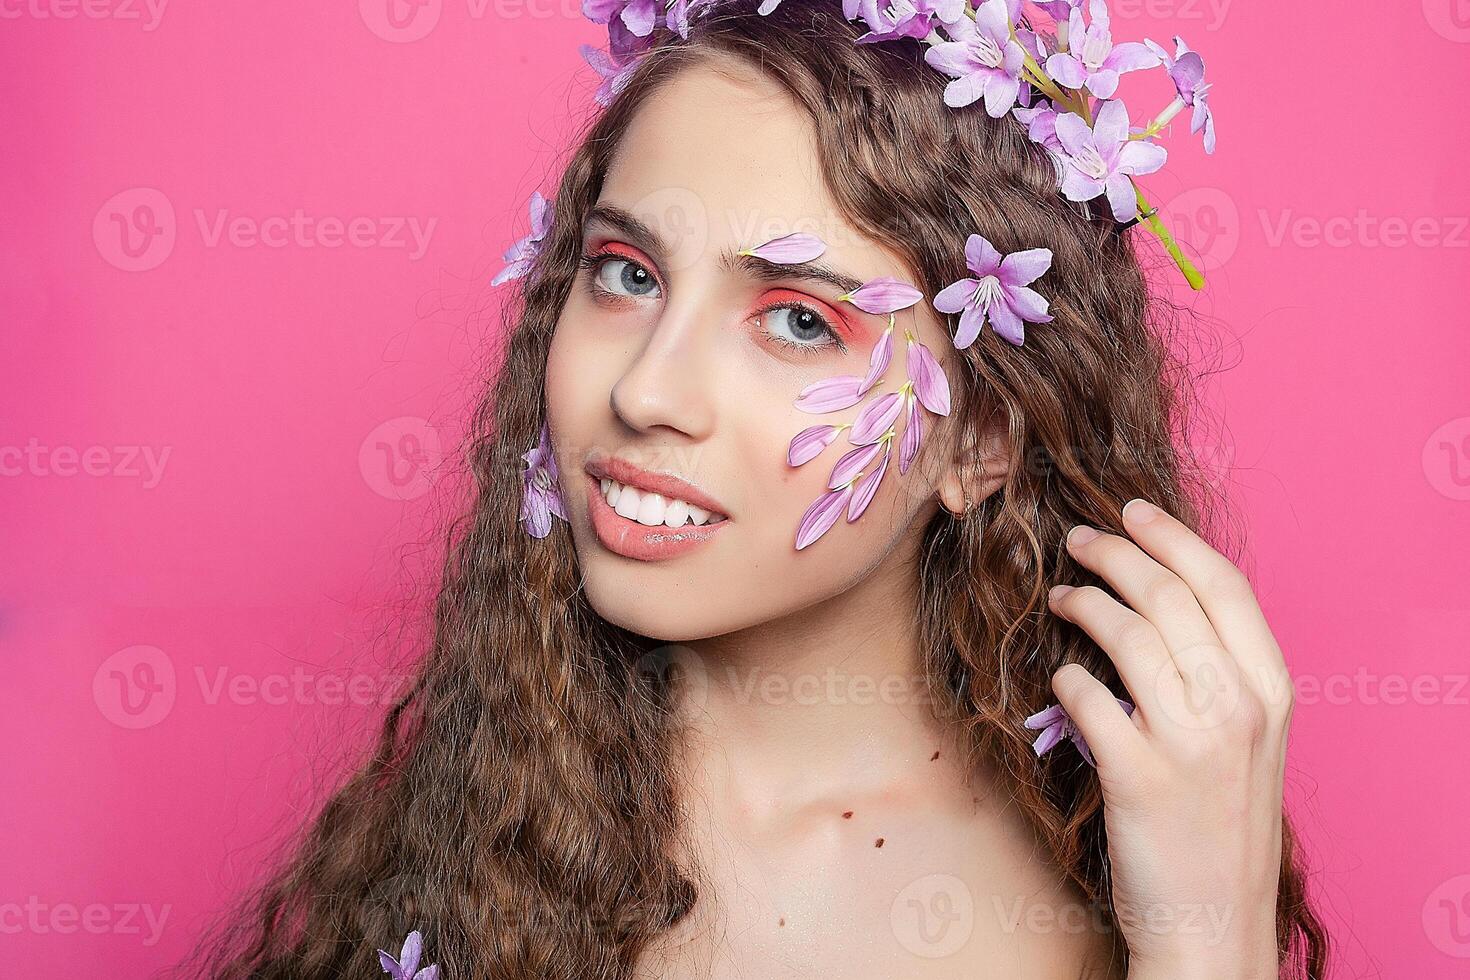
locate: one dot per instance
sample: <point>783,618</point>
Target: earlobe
<point>979,468</point>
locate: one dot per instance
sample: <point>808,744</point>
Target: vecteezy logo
<point>1447,459</point>
<point>400,21</point>
<point>934,916</point>
<point>135,230</point>
<point>400,458</point>
<point>1450,19</point>
<point>1206,221</point>
<point>135,687</point>
<point>1446,917</point>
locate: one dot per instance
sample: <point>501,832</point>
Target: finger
<point>1112,736</point>
<point>1130,641</point>
<point>1222,590</point>
<point>1162,598</point>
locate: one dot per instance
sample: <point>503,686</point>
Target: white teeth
<point>628,503</point>
<point>650,508</point>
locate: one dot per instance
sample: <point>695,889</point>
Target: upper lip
<point>666,484</point>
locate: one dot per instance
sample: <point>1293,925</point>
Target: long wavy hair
<point>520,804</point>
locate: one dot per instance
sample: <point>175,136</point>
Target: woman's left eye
<point>800,326</point>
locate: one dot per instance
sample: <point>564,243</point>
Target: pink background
<point>298,389</point>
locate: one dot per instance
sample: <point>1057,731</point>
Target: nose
<point>669,383</point>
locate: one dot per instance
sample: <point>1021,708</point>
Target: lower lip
<point>642,542</point>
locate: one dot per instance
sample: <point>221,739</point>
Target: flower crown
<point>1061,84</point>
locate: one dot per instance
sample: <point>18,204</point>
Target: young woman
<point>756,703</point>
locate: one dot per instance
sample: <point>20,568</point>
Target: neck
<point>832,701</point>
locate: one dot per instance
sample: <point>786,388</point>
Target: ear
<point>978,469</point>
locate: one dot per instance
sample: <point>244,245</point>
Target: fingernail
<point>1057,591</point>
<point>1080,535</point>
<point>1140,511</point>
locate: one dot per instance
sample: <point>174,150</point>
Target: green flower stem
<point>1156,225</point>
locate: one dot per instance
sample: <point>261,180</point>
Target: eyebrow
<point>754,266</point>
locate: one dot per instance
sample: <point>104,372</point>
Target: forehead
<point>724,156</point>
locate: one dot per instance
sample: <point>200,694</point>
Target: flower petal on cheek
<point>865,488</point>
<point>878,360</point>
<point>875,419</point>
<point>930,384</point>
<point>809,443</point>
<point>831,394</point>
<point>913,436</point>
<point>821,515</point>
<point>851,464</point>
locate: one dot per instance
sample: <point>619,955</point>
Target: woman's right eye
<point>618,275</point>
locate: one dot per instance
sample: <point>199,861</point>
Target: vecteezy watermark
<point>137,229</point>
<point>1203,920</point>
<point>934,916</point>
<point>1367,687</point>
<point>1364,230</point>
<point>1446,459</point>
<point>1446,917</point>
<point>41,918</point>
<point>1450,19</point>
<point>405,21</point>
<point>400,458</point>
<point>137,687</point>
<point>1208,220</point>
<point>149,13</point>
<point>1209,14</point>
<point>143,463</point>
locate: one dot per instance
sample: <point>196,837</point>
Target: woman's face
<point>675,358</point>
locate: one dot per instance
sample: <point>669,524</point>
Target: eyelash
<point>589,262</point>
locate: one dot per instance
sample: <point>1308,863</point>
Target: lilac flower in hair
<point>522,255</point>
<point>616,64</point>
<point>638,16</point>
<point>1093,61</point>
<point>406,966</point>
<point>999,293</point>
<point>1187,69</point>
<point>903,18</point>
<point>1055,725</point>
<point>983,59</point>
<point>541,491</point>
<point>1100,160</point>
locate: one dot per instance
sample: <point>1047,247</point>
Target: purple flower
<point>640,17</point>
<point>617,63</point>
<point>1092,60</point>
<point>983,59</point>
<point>1101,160</point>
<point>522,255</point>
<point>999,292</point>
<point>788,249</point>
<point>1187,69</point>
<point>883,295</point>
<point>903,18</point>
<point>1055,725</point>
<point>406,966</point>
<point>1059,10</point>
<point>541,493</point>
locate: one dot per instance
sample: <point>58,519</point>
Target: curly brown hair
<point>520,805</point>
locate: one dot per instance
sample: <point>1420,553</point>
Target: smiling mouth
<point>654,509</point>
